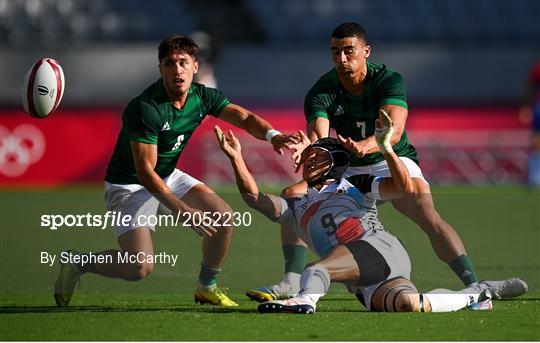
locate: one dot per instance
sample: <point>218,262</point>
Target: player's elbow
<point>251,199</point>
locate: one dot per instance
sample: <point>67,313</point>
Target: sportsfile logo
<point>113,219</point>
<point>19,149</point>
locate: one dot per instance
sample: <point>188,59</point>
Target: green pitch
<point>500,227</point>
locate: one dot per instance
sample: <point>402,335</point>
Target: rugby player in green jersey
<point>142,175</point>
<point>348,99</point>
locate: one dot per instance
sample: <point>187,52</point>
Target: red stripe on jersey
<point>306,217</point>
<point>30,90</point>
<point>54,65</point>
<point>349,230</point>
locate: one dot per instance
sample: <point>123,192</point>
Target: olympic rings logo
<point>20,148</point>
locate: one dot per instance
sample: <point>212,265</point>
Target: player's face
<point>317,163</point>
<point>177,70</point>
<point>349,55</point>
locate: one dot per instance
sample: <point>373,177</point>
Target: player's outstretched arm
<point>256,126</point>
<point>400,183</point>
<point>267,204</point>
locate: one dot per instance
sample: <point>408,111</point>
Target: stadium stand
<point>279,21</point>
<point>453,22</point>
<point>430,43</point>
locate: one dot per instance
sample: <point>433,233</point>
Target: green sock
<point>295,258</point>
<point>464,269</point>
<point>208,276</point>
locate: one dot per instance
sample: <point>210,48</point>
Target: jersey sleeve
<point>287,217</point>
<point>214,101</point>
<point>144,123</point>
<point>315,106</point>
<point>391,91</point>
<point>367,184</point>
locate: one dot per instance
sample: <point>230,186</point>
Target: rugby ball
<point>43,88</point>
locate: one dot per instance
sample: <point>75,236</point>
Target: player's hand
<point>384,128</point>
<point>357,148</point>
<point>198,222</point>
<point>283,141</point>
<point>228,143</point>
<point>299,150</point>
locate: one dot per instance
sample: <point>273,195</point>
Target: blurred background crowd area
<point>456,22</point>
<point>466,64</point>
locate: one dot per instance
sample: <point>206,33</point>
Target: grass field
<point>500,227</point>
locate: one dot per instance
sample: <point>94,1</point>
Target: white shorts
<point>381,169</point>
<point>134,200</point>
<point>395,256</point>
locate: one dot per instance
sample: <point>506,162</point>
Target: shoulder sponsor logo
<point>166,126</point>
<point>339,111</point>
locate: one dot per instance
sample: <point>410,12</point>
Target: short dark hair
<point>178,44</point>
<point>350,30</point>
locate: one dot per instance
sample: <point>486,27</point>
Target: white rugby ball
<point>43,88</point>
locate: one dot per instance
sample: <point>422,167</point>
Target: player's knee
<point>222,217</point>
<point>225,222</point>
<point>223,208</point>
<point>405,302</point>
<point>394,296</point>
<point>141,270</point>
<point>316,263</point>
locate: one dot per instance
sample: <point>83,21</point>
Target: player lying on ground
<point>347,99</point>
<point>338,220</point>
<point>142,174</point>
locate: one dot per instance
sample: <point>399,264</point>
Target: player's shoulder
<point>328,83</point>
<point>381,73</point>
<point>149,102</point>
<point>154,94</point>
<point>204,93</point>
<point>202,90</point>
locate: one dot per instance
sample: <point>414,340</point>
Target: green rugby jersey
<point>354,116</point>
<point>151,118</point>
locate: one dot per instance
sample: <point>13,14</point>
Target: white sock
<point>292,279</point>
<point>289,284</point>
<point>314,283</point>
<point>205,288</point>
<point>445,300</point>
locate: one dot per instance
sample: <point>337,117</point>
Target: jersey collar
<point>159,92</point>
<point>367,83</point>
